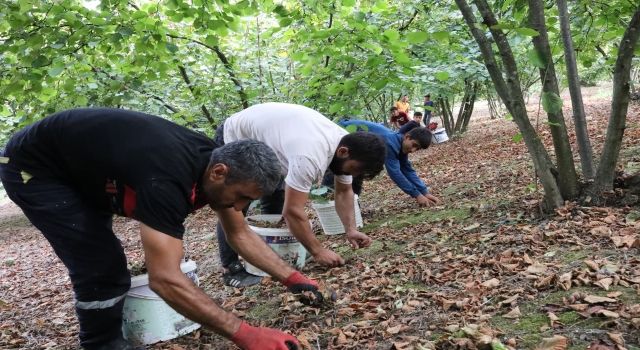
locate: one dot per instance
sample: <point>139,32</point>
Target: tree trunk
<point>469,111</point>
<point>619,105</point>
<point>463,107</point>
<point>205,111</point>
<point>579,117</point>
<point>567,177</point>
<point>511,94</point>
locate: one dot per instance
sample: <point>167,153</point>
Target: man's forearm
<point>190,301</point>
<point>299,226</point>
<point>345,209</point>
<point>254,250</point>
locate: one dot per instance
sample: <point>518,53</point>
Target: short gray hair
<point>249,161</point>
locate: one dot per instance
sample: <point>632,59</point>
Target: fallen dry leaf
<point>537,268</point>
<point>515,313</point>
<point>593,299</point>
<point>557,342</point>
<point>492,283</point>
<point>618,339</point>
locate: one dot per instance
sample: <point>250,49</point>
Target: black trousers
<point>82,238</point>
<point>329,181</point>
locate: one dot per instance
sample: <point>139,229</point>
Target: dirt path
<point>486,263</point>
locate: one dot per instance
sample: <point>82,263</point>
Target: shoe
<point>237,276</point>
<point>121,344</point>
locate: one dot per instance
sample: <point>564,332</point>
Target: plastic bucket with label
<point>281,240</point>
<point>329,219</point>
<point>147,319</point>
<point>440,136</point>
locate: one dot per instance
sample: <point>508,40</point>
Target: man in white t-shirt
<point>307,144</point>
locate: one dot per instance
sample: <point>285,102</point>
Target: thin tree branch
<point>204,109</point>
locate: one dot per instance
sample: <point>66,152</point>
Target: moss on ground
<point>377,249</point>
<point>411,219</point>
<point>529,326</point>
<point>266,311</point>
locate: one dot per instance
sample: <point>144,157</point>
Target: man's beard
<point>336,165</point>
<point>213,194</point>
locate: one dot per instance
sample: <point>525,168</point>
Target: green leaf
<point>537,58</point>
<point>359,16</point>
<point>503,26</point>
<point>380,83</point>
<point>391,34</point>
<point>297,56</point>
<point>517,138</point>
<point>98,21</point>
<point>139,15</point>
<point>285,22</point>
<point>551,103</point>
<point>440,35</point>
<point>508,116</point>
<point>417,37</point>
<point>351,128</point>
<point>40,61</point>
<point>92,86</point>
<point>336,107</point>
<point>211,40</point>
<point>527,31</point>
<point>82,101</point>
<point>126,31</point>
<point>442,76</point>
<point>54,72</point>
<point>172,47</point>
<point>363,127</point>
<point>429,108</point>
<point>348,3</point>
<point>93,43</point>
<point>550,123</point>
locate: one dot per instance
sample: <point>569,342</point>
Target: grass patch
<point>266,311</point>
<point>411,219</point>
<point>377,249</point>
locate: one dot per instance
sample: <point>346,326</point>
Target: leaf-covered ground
<point>486,267</point>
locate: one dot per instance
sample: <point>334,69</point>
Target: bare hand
<point>427,200</point>
<point>358,239</point>
<point>328,258</point>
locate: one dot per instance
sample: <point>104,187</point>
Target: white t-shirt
<point>303,139</point>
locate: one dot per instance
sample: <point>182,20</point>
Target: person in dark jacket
<point>397,163</point>
<point>415,123</point>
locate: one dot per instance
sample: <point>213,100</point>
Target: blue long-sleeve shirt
<point>398,165</point>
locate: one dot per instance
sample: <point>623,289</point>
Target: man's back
<point>298,135</point>
<point>106,153</point>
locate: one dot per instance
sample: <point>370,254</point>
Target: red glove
<point>297,283</point>
<point>254,338</point>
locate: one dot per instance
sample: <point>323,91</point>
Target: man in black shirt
<point>70,172</point>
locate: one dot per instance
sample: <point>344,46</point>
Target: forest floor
<point>486,265</point>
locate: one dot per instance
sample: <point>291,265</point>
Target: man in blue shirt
<point>427,112</point>
<point>397,163</point>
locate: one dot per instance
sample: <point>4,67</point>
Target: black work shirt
<point>128,163</point>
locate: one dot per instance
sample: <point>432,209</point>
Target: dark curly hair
<point>367,148</point>
<point>422,136</point>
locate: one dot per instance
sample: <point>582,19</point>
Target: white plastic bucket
<point>329,219</point>
<point>280,240</point>
<point>147,319</point>
<point>440,136</point>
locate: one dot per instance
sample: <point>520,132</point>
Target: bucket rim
<point>143,280</point>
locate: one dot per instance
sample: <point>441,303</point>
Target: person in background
<point>403,104</point>
<point>427,112</point>
<point>398,118</point>
<point>415,123</point>
<point>307,144</point>
<point>397,163</point>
